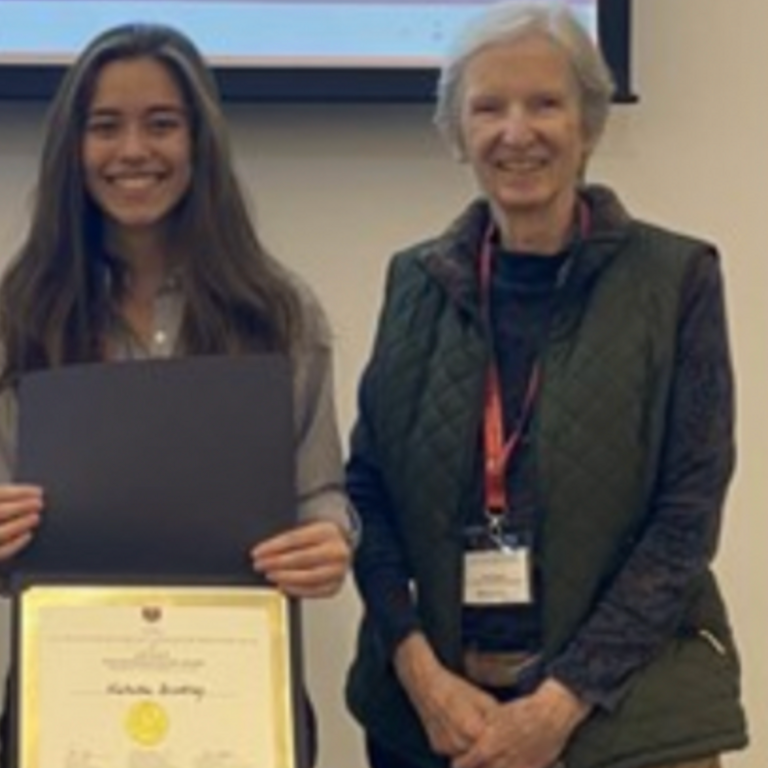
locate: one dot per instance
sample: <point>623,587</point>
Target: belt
<point>496,669</point>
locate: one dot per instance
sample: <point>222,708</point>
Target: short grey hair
<point>507,22</point>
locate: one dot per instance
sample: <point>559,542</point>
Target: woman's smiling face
<point>137,145</point>
<point>522,128</point>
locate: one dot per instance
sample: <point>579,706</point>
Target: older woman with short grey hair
<point>542,450</point>
<point>499,26</point>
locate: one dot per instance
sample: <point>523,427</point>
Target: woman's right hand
<point>453,711</point>
<point>20,508</point>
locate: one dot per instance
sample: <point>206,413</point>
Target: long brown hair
<point>52,297</point>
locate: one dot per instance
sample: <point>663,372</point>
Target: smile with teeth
<point>136,182</point>
<point>523,165</point>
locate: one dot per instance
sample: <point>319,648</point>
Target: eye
<point>546,102</point>
<point>164,123</point>
<point>485,106</point>
<point>102,127</point>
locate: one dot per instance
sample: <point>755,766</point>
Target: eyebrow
<point>107,111</point>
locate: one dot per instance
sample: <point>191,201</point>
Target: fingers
<point>531,731</point>
<point>469,717</point>
<point>308,583</point>
<point>455,713</point>
<point>14,545</point>
<point>17,499</point>
<point>311,560</point>
<point>20,508</point>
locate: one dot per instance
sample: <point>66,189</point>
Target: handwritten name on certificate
<point>168,677</point>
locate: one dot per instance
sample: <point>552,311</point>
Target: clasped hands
<point>473,729</point>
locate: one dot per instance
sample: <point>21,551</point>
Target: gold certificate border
<point>33,601</point>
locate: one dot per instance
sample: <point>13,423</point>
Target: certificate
<point>167,677</point>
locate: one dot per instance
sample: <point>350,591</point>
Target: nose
<point>517,126</point>
<point>133,142</point>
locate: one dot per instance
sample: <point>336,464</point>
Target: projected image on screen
<point>359,33</point>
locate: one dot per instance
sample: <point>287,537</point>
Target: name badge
<point>498,577</point>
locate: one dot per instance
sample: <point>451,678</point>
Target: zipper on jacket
<point>713,642</point>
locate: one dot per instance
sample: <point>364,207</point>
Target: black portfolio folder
<point>170,467</point>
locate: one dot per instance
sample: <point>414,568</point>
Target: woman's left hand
<point>310,560</point>
<point>530,732</point>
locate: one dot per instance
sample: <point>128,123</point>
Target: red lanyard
<point>498,452</point>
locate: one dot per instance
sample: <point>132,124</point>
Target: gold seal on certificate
<point>147,723</point>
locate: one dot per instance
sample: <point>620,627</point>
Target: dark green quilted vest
<point>597,439</point>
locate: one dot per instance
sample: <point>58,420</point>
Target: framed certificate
<point>138,676</point>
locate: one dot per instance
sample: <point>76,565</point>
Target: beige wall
<point>338,188</point>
